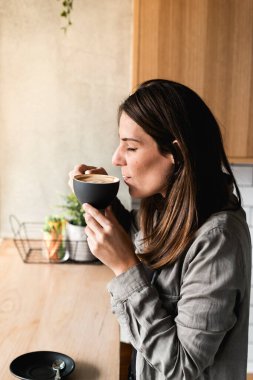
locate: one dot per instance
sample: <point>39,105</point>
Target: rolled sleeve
<point>127,283</point>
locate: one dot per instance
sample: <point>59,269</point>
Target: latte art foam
<point>96,178</point>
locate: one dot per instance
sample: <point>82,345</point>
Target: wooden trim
<point>136,42</point>
<point>241,160</point>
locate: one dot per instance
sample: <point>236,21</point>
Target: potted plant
<point>76,239</point>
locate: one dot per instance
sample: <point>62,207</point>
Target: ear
<point>177,155</point>
<point>170,157</point>
<point>175,143</point>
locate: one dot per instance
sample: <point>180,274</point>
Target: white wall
<point>59,97</point>
<point>244,176</point>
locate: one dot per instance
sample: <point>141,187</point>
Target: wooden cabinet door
<point>208,46</point>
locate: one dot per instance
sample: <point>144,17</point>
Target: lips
<point>125,178</point>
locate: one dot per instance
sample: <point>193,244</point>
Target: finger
<point>82,168</point>
<point>110,215</point>
<point>97,215</point>
<point>70,183</point>
<point>98,170</point>
<point>72,174</point>
<point>89,233</point>
<point>93,224</point>
<point>79,169</point>
<point>90,237</point>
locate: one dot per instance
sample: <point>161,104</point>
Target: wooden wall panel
<point>207,45</point>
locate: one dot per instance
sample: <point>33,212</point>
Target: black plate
<point>38,365</point>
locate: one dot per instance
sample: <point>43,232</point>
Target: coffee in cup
<point>99,190</point>
<point>97,178</point>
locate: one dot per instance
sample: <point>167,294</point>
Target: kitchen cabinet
<point>208,46</point>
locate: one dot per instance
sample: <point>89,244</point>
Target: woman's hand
<point>84,169</point>
<point>108,241</point>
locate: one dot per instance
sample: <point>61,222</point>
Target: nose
<point>118,158</point>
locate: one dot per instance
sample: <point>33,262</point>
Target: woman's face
<point>144,169</point>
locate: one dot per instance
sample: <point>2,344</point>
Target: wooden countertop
<point>57,307</point>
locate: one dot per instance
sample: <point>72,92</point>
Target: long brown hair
<point>182,124</point>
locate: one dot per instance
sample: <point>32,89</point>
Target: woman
<point>181,290</point>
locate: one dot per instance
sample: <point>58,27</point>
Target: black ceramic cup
<point>99,190</point>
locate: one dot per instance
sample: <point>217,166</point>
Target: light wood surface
<point>207,45</point>
<point>57,307</point>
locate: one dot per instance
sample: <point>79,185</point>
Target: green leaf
<point>72,210</point>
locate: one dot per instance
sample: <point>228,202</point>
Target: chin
<point>138,194</point>
<point>134,193</point>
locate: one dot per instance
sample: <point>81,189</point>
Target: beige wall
<point>58,99</point>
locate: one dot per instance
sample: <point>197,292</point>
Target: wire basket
<point>33,247</point>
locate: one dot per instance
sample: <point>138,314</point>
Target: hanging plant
<point>67,6</point>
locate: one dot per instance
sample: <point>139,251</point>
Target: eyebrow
<point>130,139</point>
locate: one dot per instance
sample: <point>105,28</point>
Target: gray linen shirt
<point>192,323</point>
